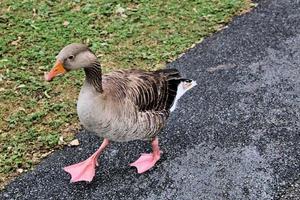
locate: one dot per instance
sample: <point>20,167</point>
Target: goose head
<point>71,57</point>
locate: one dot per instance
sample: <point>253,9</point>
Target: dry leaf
<point>34,12</point>
<point>22,109</point>
<point>74,142</point>
<point>47,95</point>
<point>21,86</point>
<point>61,140</point>
<point>66,23</point>
<point>16,42</point>
<point>253,5</point>
<point>46,154</point>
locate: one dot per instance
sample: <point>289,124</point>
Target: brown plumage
<point>123,105</point>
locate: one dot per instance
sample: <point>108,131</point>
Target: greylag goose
<point>120,106</point>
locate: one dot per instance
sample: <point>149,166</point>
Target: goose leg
<point>148,160</point>
<point>85,171</point>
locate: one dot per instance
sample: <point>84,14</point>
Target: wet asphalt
<point>234,136</point>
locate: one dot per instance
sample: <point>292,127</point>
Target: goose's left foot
<point>148,160</point>
<point>85,171</point>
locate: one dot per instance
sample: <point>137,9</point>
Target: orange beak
<point>58,69</point>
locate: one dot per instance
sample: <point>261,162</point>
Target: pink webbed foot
<point>85,171</point>
<point>148,160</point>
<point>145,162</point>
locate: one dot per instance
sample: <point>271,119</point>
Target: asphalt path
<point>234,136</point>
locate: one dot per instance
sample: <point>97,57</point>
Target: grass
<point>124,34</point>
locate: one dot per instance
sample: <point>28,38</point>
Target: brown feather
<point>149,91</point>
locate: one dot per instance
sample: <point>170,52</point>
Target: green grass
<point>124,34</point>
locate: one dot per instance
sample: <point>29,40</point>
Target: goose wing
<point>149,91</point>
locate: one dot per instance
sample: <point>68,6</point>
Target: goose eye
<point>71,57</point>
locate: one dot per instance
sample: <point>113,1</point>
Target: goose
<point>120,106</point>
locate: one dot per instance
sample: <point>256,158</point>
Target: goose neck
<point>94,76</point>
